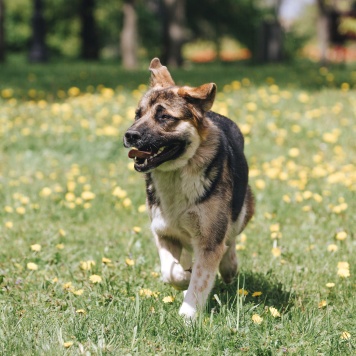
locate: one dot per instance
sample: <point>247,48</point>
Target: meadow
<point>79,272</point>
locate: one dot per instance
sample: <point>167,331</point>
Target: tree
<point>129,35</point>
<point>173,31</point>
<point>2,31</point>
<point>38,51</point>
<point>90,44</point>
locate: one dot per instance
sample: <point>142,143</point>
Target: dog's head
<point>169,123</point>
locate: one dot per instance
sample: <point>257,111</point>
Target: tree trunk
<point>173,31</point>
<point>90,45</point>
<point>129,35</point>
<point>2,31</point>
<point>38,51</point>
<point>323,31</point>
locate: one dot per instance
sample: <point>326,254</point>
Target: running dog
<point>196,174</point>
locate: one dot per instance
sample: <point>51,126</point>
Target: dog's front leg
<point>172,271</point>
<point>203,276</point>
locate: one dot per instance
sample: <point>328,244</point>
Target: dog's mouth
<point>149,158</point>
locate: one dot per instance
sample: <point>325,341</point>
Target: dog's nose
<point>132,136</point>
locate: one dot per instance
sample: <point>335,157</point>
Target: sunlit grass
<point>78,268</point>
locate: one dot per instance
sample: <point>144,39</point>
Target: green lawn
<point>79,271</point>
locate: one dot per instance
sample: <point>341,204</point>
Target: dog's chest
<point>177,193</point>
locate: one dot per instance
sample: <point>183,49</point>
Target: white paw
<point>177,277</point>
<point>187,311</point>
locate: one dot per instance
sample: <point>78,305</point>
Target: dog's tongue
<point>139,154</point>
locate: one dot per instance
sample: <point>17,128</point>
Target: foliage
<point>79,271</point>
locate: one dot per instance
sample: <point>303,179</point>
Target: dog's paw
<point>187,311</point>
<point>177,277</point>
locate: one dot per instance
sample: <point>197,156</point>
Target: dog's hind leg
<point>170,252</point>
<point>228,264</point>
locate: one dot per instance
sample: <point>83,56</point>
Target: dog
<point>197,189</point>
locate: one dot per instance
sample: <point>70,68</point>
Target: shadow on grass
<point>273,292</point>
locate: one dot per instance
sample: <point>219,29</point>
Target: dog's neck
<point>187,183</point>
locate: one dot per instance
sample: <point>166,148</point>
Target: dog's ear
<point>160,76</point>
<point>202,96</point>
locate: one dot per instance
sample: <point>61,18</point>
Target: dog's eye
<point>165,117</point>
<point>137,114</point>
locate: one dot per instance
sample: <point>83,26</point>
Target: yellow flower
<point>32,266</point>
<point>168,299</point>
<point>68,344</point>
<point>243,291</point>
<point>62,232</point>
<point>142,208</point>
<point>343,272</point>
<point>260,184</point>
<point>20,210</point>
<point>67,285</point>
<point>119,193</point>
<point>87,265</point>
<point>330,285</point>
<point>127,202</point>
<point>60,246</point>
<point>80,311</point>
<point>343,265</point>
<point>8,209</point>
<point>78,292</point>
<point>105,260</point>
<point>240,247</point>
<point>274,227</point>
<point>70,197</point>
<point>95,278</point>
<point>45,192</point>
<point>322,304</point>
<point>36,247</point>
<point>276,251</point>
<point>136,229</point>
<point>332,248</point>
<point>154,274</point>
<point>274,312</point>
<point>341,235</point>
<point>294,152</point>
<point>345,335</point>
<point>87,195</point>
<point>129,262</point>
<point>256,294</point>
<point>257,319</point>
<point>9,224</point>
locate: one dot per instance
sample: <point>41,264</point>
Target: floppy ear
<point>202,96</point>
<point>160,77</point>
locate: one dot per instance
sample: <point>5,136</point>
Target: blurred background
<point>178,31</point>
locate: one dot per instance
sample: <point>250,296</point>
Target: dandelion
<point>87,195</point>
<point>345,335</point>
<point>276,251</point>
<point>168,299</point>
<point>260,184</point>
<point>294,152</point>
<point>322,304</point>
<point>105,260</point>
<point>9,224</point>
<point>119,193</point>
<point>154,274</point>
<point>243,292</point>
<point>20,210</point>
<point>136,229</point>
<point>67,286</point>
<point>343,273</point>
<point>127,202</point>
<point>8,209</point>
<point>341,236</point>
<point>68,344</point>
<point>78,292</point>
<point>80,311</point>
<point>332,248</point>
<point>36,247</point>
<point>87,265</point>
<point>257,319</point>
<point>142,208</point>
<point>94,278</point>
<point>60,246</point>
<point>32,266</point>
<point>62,232</point>
<point>256,294</point>
<point>330,285</point>
<point>274,312</point>
<point>45,192</point>
<point>130,262</point>
<point>240,247</point>
<point>70,197</point>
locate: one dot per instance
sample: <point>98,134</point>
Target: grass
<point>69,198</point>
